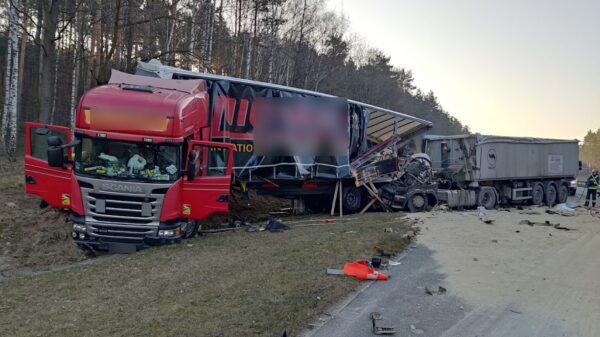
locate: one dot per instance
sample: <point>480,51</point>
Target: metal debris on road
<point>379,330</point>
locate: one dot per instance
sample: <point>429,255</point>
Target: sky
<point>504,67</point>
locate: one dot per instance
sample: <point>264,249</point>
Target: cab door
<point>51,184</point>
<point>207,192</point>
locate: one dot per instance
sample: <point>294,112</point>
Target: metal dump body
<point>491,158</point>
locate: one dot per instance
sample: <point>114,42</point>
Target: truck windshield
<point>127,160</point>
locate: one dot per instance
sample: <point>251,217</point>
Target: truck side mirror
<point>191,166</point>
<point>56,155</point>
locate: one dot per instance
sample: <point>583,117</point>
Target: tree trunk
<point>22,51</point>
<point>96,48</point>
<point>48,58</point>
<point>192,38</point>
<point>104,73</point>
<point>8,131</point>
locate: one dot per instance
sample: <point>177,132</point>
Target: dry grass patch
<point>232,284</point>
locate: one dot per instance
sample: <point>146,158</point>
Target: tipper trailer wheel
<point>550,195</point>
<point>562,193</point>
<point>487,197</point>
<point>418,202</point>
<point>537,194</point>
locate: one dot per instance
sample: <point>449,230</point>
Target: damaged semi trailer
<point>152,154</point>
<point>483,170</point>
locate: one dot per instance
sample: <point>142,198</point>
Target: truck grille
<point>122,215</point>
<point>122,208</point>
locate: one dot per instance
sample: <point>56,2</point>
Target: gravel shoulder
<point>503,279</point>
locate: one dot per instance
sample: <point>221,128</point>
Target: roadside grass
<point>30,237</point>
<point>228,284</point>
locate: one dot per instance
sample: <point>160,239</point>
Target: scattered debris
<point>381,252</point>
<point>561,209</point>
<point>388,230</point>
<point>475,259</point>
<point>484,215</point>
<point>378,330</point>
<point>516,311</point>
<point>439,291</point>
<point>376,262</point>
<point>359,269</point>
<point>494,241</point>
<point>545,223</point>
<point>275,226</point>
<point>415,330</point>
<point>11,204</point>
<point>394,263</point>
<point>530,212</point>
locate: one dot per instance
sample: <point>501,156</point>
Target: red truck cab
<point>136,170</point>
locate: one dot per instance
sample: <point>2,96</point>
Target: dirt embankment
<point>30,237</point>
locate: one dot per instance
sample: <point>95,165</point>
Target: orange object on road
<point>361,271</point>
<point>329,221</point>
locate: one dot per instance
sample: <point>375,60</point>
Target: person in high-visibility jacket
<point>592,188</point>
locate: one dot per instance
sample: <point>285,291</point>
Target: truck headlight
<point>166,232</point>
<point>79,228</point>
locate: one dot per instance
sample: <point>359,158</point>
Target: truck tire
<point>352,199</point>
<point>537,194</point>
<point>562,194</point>
<point>418,202</point>
<point>189,230</point>
<point>487,197</point>
<point>550,195</point>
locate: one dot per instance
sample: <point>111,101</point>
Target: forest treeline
<point>54,50</point>
<point>590,148</point>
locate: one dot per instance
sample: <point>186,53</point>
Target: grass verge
<point>231,284</point>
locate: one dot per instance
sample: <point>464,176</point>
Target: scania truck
<point>149,156</point>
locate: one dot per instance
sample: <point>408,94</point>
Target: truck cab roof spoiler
<point>383,122</point>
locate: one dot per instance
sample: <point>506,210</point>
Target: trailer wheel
<point>417,203</point>
<point>562,193</point>
<point>537,194</point>
<point>550,196</point>
<point>352,199</point>
<point>487,198</point>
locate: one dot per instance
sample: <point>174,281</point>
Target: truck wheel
<point>537,194</point>
<point>417,203</point>
<point>189,230</point>
<point>562,193</point>
<point>352,199</point>
<point>487,198</point>
<point>550,195</point>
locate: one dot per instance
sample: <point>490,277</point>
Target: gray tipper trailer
<point>311,180</point>
<point>482,170</point>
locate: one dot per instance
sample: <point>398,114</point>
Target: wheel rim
<point>418,201</point>
<point>485,199</point>
<point>551,194</point>
<point>352,198</point>
<point>563,193</point>
<point>538,194</point>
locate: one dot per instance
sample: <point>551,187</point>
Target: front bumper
<point>88,236</point>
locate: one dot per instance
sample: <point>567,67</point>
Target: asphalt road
<point>503,280</point>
